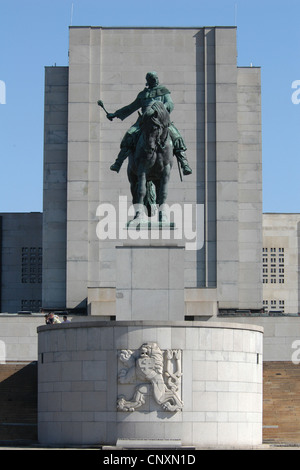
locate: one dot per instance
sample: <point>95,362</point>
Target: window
<point>31,305</point>
<point>273,266</point>
<point>31,265</point>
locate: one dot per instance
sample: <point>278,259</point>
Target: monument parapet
<point>150,383</point>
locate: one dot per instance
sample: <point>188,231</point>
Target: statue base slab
<point>137,224</point>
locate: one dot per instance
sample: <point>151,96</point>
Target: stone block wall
<point>20,262</point>
<point>220,385</point>
<point>222,133</point>
<point>18,347</point>
<point>55,187</point>
<point>250,185</point>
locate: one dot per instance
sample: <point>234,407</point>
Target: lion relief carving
<point>155,372</point>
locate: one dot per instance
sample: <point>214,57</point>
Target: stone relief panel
<point>150,378</point>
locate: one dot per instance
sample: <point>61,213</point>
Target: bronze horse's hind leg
<point>162,192</point>
<point>138,188</point>
<point>141,192</point>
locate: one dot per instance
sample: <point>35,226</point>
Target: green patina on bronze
<point>154,91</point>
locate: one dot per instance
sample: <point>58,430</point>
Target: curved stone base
<point>197,383</point>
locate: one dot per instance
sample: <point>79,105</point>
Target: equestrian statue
<point>150,145</point>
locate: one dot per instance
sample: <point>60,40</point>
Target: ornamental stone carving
<point>152,372</point>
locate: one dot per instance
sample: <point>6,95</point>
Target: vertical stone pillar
<point>55,187</point>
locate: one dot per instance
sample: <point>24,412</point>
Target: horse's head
<point>157,115</point>
<point>156,121</point>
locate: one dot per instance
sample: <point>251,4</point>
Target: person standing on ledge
<point>153,92</point>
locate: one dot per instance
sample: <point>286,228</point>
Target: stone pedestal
<point>150,282</point>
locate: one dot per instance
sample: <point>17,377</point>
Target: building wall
<point>281,403</point>
<point>18,335</point>
<point>55,186</point>
<point>222,132</point>
<point>21,261</point>
<point>280,258</point>
<point>281,335</point>
<point>250,185</point>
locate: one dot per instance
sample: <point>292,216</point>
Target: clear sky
<point>34,34</point>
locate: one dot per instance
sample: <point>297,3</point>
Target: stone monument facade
<point>150,378</point>
<point>217,109</point>
<point>150,384</point>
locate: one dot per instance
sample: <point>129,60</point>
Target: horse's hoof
<point>187,170</point>
<point>163,218</point>
<point>136,221</point>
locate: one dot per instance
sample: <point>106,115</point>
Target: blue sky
<point>34,34</point>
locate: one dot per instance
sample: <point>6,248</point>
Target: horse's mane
<point>158,114</point>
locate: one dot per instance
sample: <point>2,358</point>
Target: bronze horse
<point>151,163</point>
